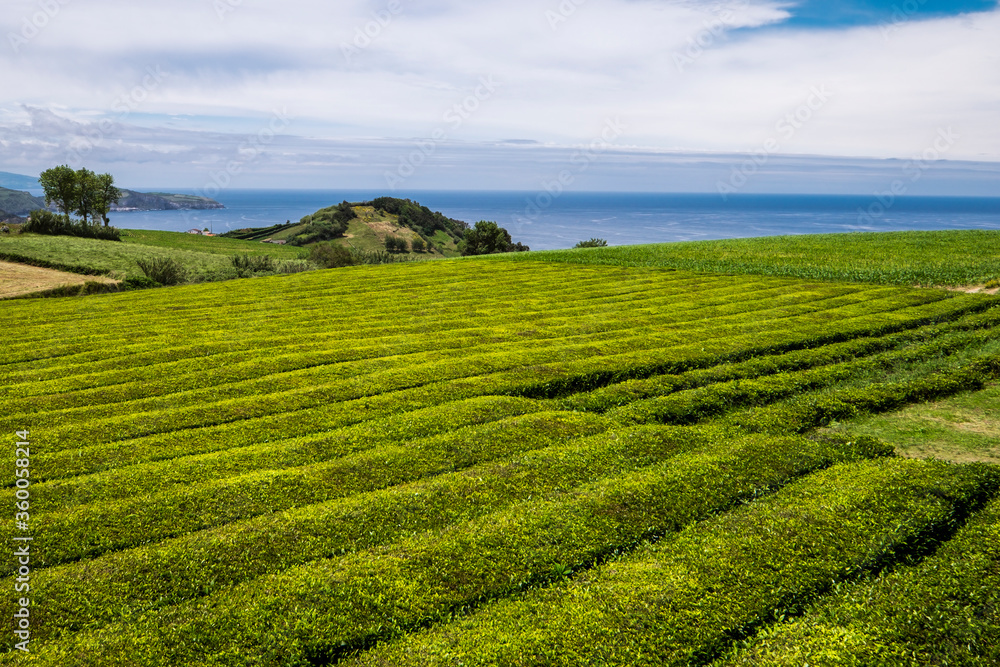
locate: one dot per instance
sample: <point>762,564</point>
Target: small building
<point>195,231</point>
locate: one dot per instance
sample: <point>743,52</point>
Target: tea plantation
<point>480,462</point>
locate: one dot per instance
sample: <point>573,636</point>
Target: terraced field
<point>479,462</point>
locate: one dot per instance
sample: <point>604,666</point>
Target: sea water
<point>546,222</point>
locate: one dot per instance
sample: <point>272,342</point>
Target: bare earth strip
<point>17,279</point>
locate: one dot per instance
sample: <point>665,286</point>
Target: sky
<point>639,95</point>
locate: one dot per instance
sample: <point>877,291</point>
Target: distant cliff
<point>162,201</point>
<point>16,202</point>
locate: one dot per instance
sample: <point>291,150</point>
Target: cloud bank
<point>501,94</point>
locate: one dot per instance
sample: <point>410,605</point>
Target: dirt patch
<point>949,453</point>
<point>18,279</point>
<point>974,289</point>
<point>384,228</point>
<point>986,427</point>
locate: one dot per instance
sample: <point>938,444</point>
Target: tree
<point>83,192</point>
<point>86,190</point>
<point>487,238</point>
<point>396,244</point>
<point>105,196</point>
<point>61,188</point>
<point>592,243</point>
<point>330,256</point>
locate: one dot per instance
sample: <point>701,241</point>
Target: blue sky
<point>852,13</point>
<point>658,95</point>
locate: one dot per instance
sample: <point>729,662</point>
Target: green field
<point>214,245</point>
<point>488,462</point>
<point>968,257</point>
<point>205,258</point>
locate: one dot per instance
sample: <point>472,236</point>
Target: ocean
<point>547,222</point>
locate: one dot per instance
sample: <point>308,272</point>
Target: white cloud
<point>684,76</point>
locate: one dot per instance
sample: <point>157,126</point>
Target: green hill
<point>162,201</point>
<point>15,202</point>
<point>492,462</point>
<point>365,226</point>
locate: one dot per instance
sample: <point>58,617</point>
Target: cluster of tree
<point>330,256</point>
<point>325,224</point>
<point>592,243</point>
<point>419,218</point>
<point>396,244</point>
<point>83,192</point>
<point>488,238</point>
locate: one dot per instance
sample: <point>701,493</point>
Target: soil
<point>18,279</point>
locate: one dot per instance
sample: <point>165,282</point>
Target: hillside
<point>501,463</point>
<point>15,202</point>
<point>161,201</point>
<point>365,226</point>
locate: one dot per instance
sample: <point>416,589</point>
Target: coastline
<point>621,218</point>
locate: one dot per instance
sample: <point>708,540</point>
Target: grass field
<point>961,428</point>
<point>208,244</point>
<point>489,462</point>
<point>205,258</point>
<point>965,258</point>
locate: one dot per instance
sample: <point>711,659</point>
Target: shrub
<point>488,238</point>
<point>330,256</point>
<point>48,223</point>
<point>177,511</point>
<point>378,257</point>
<point>138,282</point>
<point>943,611</point>
<point>247,265</point>
<point>290,266</point>
<point>369,595</point>
<point>592,243</point>
<point>419,245</point>
<point>806,411</point>
<point>100,233</point>
<point>328,223</point>
<point>683,601</point>
<point>164,270</point>
<point>396,244</point>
